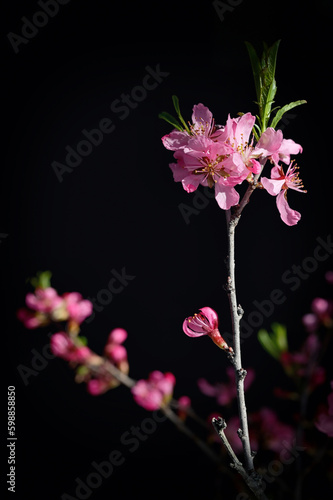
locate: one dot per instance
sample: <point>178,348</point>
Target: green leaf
<point>42,279</point>
<point>170,119</point>
<point>283,110</point>
<point>256,67</point>
<point>82,340</point>
<point>280,335</point>
<point>268,343</point>
<point>175,101</point>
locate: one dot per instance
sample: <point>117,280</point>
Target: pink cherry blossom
<point>225,393</point>
<point>114,350</point>
<point>32,319</point>
<point>272,145</point>
<point>237,134</point>
<point>153,393</point>
<point>63,346</point>
<point>95,387</point>
<point>202,162</point>
<point>77,308</point>
<point>278,185</point>
<point>44,300</point>
<point>205,323</point>
<point>202,125</point>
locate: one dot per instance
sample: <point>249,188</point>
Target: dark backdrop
<point>119,208</point>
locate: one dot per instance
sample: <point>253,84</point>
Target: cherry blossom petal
<point>202,117</point>
<point>288,215</point>
<point>226,196</point>
<point>211,316</point>
<point>175,140</point>
<point>272,186</point>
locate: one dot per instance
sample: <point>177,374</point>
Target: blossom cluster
<point>45,306</point>
<point>224,156</point>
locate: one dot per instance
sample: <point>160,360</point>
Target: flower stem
<point>252,479</point>
<point>236,313</point>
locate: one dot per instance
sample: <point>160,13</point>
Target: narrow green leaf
<point>170,119</point>
<point>283,110</point>
<point>268,343</point>
<point>280,334</point>
<point>255,64</point>
<point>271,59</point>
<point>175,101</point>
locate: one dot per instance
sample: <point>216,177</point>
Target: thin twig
<point>240,373</point>
<point>252,479</point>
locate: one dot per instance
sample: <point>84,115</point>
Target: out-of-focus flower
<point>324,422</point>
<point>155,392</point>
<point>64,347</point>
<point>225,393</point>
<point>45,306</point>
<point>184,403</point>
<point>115,351</point>
<point>205,322</point>
<point>265,429</point>
<point>278,185</point>
<point>95,386</point>
<point>32,319</point>
<point>78,309</point>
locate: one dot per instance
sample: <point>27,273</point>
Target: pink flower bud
<point>205,323</point>
<point>61,345</point>
<point>95,387</point>
<point>117,336</point>
<point>116,353</point>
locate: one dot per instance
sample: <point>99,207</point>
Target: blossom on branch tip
<point>203,124</point>
<point>278,185</point>
<point>78,309</point>
<point>273,146</point>
<point>205,322</point>
<point>155,392</point>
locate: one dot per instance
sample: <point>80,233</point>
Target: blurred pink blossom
<point>225,393</point>
<point>43,300</point>
<point>77,308</point>
<point>151,394</point>
<point>63,346</point>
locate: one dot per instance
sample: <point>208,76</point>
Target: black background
<point>120,208</point>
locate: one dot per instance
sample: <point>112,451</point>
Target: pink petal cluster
<point>278,185</point>
<point>77,308</point>
<point>45,305</point>
<point>153,393</point>
<point>324,422</point>
<point>115,351</point>
<point>321,314</point>
<point>224,156</point>
<point>219,157</point>
<point>225,393</point>
<point>64,347</point>
<point>205,322</point>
